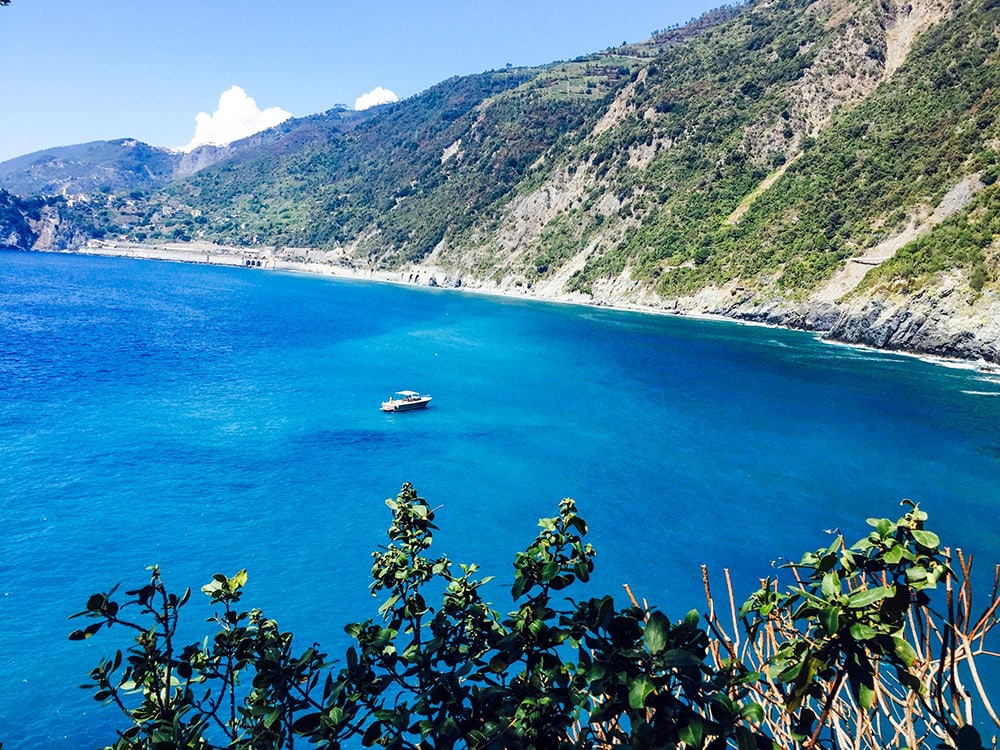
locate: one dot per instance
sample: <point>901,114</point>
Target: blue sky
<point>76,72</point>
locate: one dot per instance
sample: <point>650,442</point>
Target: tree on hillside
<point>866,646</point>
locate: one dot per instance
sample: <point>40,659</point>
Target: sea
<point>208,419</point>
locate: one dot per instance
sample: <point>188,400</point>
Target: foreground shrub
<point>852,652</point>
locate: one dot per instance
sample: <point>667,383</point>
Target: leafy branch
<point>852,652</point>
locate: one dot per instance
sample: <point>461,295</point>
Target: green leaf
<point>692,733</point>
<point>831,619</point>
<point>831,585</point>
<point>904,651</point>
<point>499,662</point>
<point>723,704</point>
<point>87,632</point>
<point>308,723</point>
<point>597,672</point>
<point>803,679</point>
<point>678,657</point>
<point>894,554</point>
<point>926,538</point>
<point>448,728</point>
<point>909,681</point>
<point>387,604</point>
<point>916,574</point>
<point>656,632</point>
<point>867,597</point>
<point>862,632</point>
<point>639,690</point>
<point>550,570</point>
<point>561,581</point>
<point>935,574</point>
<point>520,584</point>
<point>884,525</point>
<point>790,672</point>
<point>866,696</point>
<point>829,559</point>
<point>753,712</point>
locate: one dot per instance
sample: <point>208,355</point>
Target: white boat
<point>405,401</point>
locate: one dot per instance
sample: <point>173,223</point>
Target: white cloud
<point>237,117</point>
<point>378,95</point>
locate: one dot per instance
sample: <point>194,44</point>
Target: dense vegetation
<point>858,649</point>
<point>759,147</point>
<point>902,148</point>
<point>385,181</point>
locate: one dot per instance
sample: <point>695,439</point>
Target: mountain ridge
<point>829,165</point>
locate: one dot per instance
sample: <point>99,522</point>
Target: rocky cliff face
<point>16,232</point>
<point>199,159</point>
<point>946,319</point>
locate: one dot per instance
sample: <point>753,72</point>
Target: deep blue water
<point>206,419</point>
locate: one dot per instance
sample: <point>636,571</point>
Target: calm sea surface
<point>208,419</point>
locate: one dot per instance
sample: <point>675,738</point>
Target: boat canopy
<point>407,393</point>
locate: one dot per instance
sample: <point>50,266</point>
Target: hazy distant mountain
<point>122,164</point>
<point>827,164</point>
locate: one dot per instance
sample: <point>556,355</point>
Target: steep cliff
<point>15,229</point>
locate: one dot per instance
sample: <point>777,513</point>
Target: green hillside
<point>758,162</point>
<point>717,108</point>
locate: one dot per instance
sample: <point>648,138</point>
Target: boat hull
<point>410,404</point>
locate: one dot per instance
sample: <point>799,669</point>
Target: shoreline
<point>264,260</point>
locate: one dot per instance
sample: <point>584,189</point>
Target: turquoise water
<point>206,419</point>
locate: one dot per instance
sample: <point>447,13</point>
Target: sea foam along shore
<point>338,265</point>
